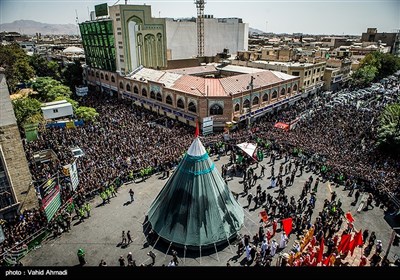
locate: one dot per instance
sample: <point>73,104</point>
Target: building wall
<point>182,37</point>
<point>140,38</point>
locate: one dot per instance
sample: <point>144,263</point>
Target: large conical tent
<point>195,208</point>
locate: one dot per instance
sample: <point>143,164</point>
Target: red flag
<point>357,241</point>
<point>321,251</point>
<point>327,261</point>
<point>264,216</point>
<point>349,217</point>
<point>344,243</point>
<point>287,225</point>
<point>197,132</point>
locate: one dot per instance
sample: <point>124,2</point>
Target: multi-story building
<point>16,188</point>
<point>219,34</point>
<point>390,39</point>
<point>125,37</point>
<point>189,94</point>
<point>337,72</point>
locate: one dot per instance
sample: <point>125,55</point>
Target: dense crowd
<point>127,139</point>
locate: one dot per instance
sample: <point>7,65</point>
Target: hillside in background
<point>31,27</point>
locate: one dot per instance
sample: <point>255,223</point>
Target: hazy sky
<point>279,16</point>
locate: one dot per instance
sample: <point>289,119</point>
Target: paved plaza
<point>100,235</point>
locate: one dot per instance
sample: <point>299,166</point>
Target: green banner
<point>31,132</point>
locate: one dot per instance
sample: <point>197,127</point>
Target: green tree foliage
<point>389,129</point>
<point>26,109</point>
<point>86,113</point>
<point>375,66</point>
<point>45,68</point>
<point>72,75</point>
<point>365,75</point>
<point>49,89</point>
<point>16,64</point>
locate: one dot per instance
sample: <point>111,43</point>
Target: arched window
<point>255,100</point>
<point>265,97</point>
<point>106,76</point>
<point>192,107</point>
<point>180,104</point>
<point>121,85</point>
<point>159,97</point>
<point>128,87</point>
<point>288,90</point>
<point>97,74</point>
<point>152,95</point>
<point>283,91</point>
<point>274,95</point>
<point>144,92</point>
<point>246,104</point>
<point>102,76</point>
<point>295,88</point>
<point>92,72</point>
<point>136,90</point>
<point>216,110</point>
<point>168,100</point>
<point>237,107</point>
<point>112,79</point>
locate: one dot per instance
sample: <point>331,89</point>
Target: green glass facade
<point>98,41</point>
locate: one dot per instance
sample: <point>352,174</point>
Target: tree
<point>25,109</point>
<point>364,75</point>
<point>45,68</point>
<point>72,75</point>
<point>389,129</point>
<point>49,89</point>
<point>86,113</point>
<point>16,65</point>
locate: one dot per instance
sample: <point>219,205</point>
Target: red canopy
<point>282,125</point>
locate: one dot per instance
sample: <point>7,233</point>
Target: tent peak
<point>197,148</point>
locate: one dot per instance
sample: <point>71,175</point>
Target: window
<point>97,74</point>
<point>255,101</point>
<point>192,107</point>
<point>246,104</point>
<point>283,91</point>
<point>274,94</point>
<point>159,97</point>
<point>237,107</point>
<point>128,87</point>
<point>112,79</point>
<point>265,97</point>
<point>318,70</point>
<point>92,72</point>
<point>102,76</point>
<point>136,90</point>
<point>297,73</point>
<point>144,92</point>
<point>106,76</point>
<point>121,85</point>
<point>168,100</point>
<point>288,90</point>
<point>180,104</point>
<point>152,95</point>
<point>217,110</point>
<point>295,88</point>
<point>55,110</point>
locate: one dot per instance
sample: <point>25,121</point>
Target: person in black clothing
<point>131,193</point>
<point>121,261</point>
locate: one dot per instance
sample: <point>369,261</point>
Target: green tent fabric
<point>195,207</point>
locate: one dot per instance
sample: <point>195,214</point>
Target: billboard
<point>31,132</point>
<point>101,10</point>
<point>51,207</point>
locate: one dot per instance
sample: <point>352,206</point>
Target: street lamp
<point>251,101</point>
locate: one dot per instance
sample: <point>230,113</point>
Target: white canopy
<point>74,50</point>
<point>248,148</point>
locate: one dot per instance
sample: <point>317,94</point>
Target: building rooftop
<point>194,70</point>
<point>7,116</point>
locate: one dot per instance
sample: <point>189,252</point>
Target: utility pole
<point>251,101</point>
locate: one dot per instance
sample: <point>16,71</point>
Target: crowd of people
<point>126,141</point>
